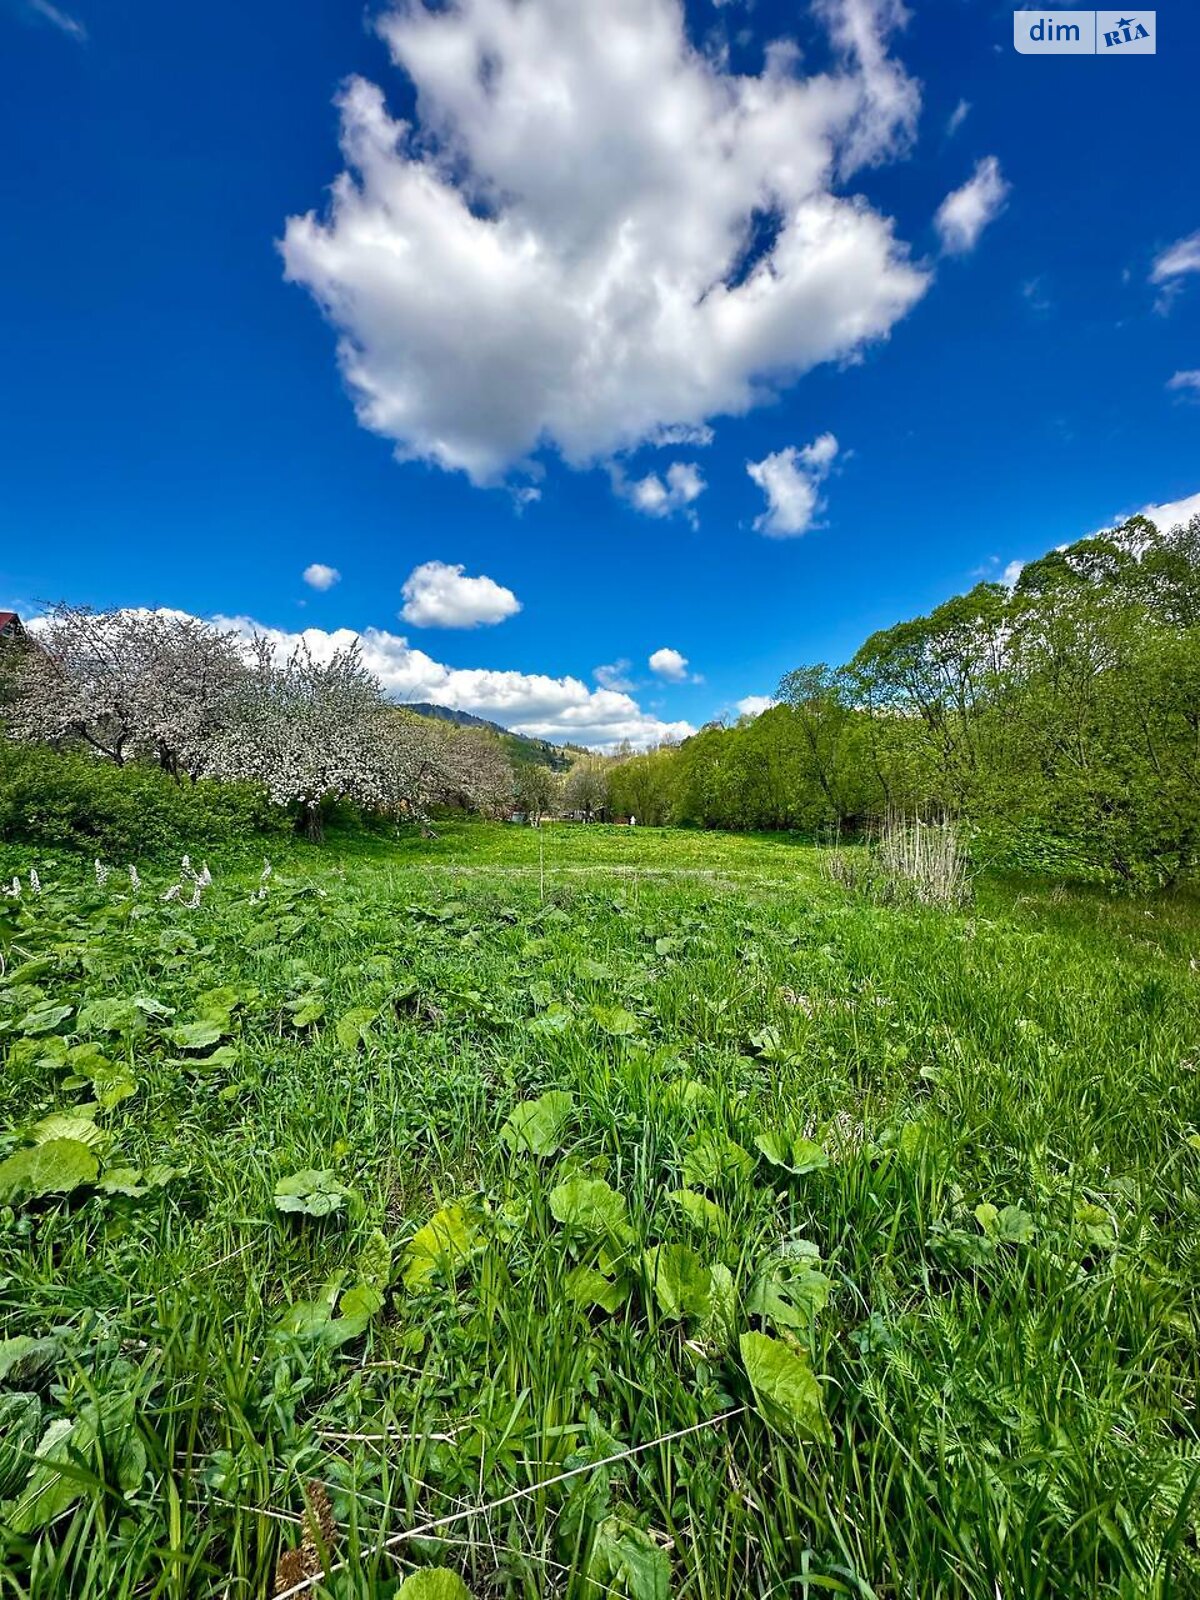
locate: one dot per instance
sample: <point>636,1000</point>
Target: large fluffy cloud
<point>594,236</point>
<point>534,703</point>
<point>437,595</point>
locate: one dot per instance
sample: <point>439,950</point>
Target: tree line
<point>1060,719</point>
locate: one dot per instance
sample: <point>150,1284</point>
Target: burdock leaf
<point>442,1245</point>
<point>434,1583</point>
<point>535,1127</point>
<point>311,1193</point>
<point>56,1167</point>
<point>679,1279</point>
<point>588,1204</point>
<point>785,1387</point>
<point>352,1029</point>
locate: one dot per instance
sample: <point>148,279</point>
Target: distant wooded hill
<point>520,748</point>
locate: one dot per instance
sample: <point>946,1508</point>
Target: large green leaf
<point>588,1287</point>
<point>785,1386</point>
<point>625,1555</point>
<point>615,1020</point>
<point>196,1035</point>
<point>44,1018</point>
<point>536,1127</point>
<point>698,1208</point>
<point>24,1360</point>
<point>1009,1225</point>
<point>102,1442</point>
<point>793,1155</point>
<point>714,1161</point>
<point>56,1167</point>
<point>442,1245</point>
<point>311,1193</point>
<point>679,1279</point>
<point>588,1204</point>
<point>790,1289</point>
<point>434,1583</point>
<point>59,1126</point>
<point>353,1028</point>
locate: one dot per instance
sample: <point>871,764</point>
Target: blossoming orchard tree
<point>166,687</point>
<point>151,684</point>
<point>313,733</point>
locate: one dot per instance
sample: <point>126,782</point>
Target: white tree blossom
<point>127,683</point>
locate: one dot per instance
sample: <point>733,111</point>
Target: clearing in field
<point>594,1212</point>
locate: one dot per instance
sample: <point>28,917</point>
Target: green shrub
<point>70,801</point>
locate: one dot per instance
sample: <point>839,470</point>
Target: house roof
<point>7,618</point>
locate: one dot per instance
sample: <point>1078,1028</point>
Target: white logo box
<point>1085,33</point>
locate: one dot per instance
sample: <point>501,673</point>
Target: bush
<point>132,813</point>
<point>908,862</point>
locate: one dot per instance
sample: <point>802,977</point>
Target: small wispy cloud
<point>1172,265</point>
<point>614,675</point>
<point>957,117</point>
<point>966,212</point>
<point>1186,384</point>
<point>62,20</point>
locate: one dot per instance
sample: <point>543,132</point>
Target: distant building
<point>10,627</point>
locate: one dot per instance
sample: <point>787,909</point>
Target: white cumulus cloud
<point>753,705</point>
<point>791,480</point>
<point>655,496</point>
<point>319,576</point>
<point>1173,512</point>
<point>534,703</point>
<point>669,664</point>
<point>437,595</point>
<point>966,212</point>
<point>1186,383</point>
<point>593,236</point>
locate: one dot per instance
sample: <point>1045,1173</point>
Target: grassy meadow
<point>594,1211</point>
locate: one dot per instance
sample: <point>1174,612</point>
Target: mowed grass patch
<point>419,1178</point>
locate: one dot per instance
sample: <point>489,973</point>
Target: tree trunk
<point>311,825</point>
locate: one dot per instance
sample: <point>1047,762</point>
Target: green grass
<point>1008,1399</point>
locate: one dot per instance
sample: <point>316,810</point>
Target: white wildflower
<point>266,871</point>
<point>134,881</point>
<point>195,900</point>
<point>205,877</point>
<point>14,891</point>
<point>35,883</point>
<point>173,892</point>
<point>101,873</point>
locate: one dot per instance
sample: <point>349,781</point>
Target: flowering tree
<point>155,684</point>
<point>478,774</point>
<point>311,732</point>
<point>201,702</point>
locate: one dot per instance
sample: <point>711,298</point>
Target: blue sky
<point>612,241</point>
